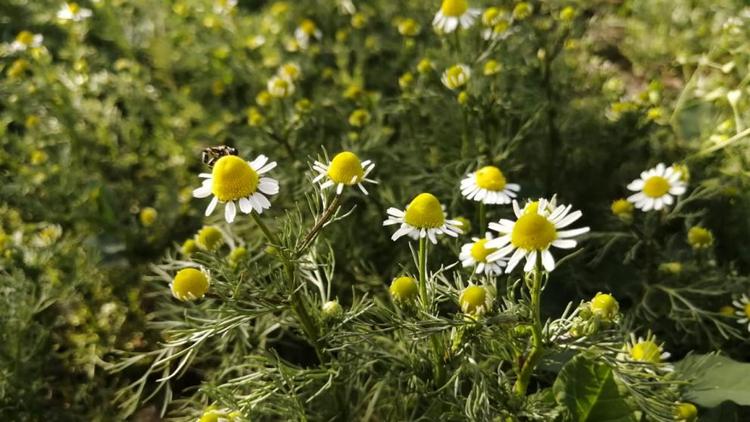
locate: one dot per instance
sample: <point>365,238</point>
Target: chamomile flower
<point>307,31</point>
<point>189,284</point>
<point>234,181</point>
<point>423,217</point>
<point>224,6</point>
<point>743,310</point>
<point>280,87</point>
<point>456,76</point>
<point>656,188</point>
<point>536,229</point>
<point>73,12</point>
<point>454,13</point>
<point>474,300</point>
<point>489,186</point>
<point>646,350</point>
<point>475,253</point>
<point>25,40</point>
<point>344,170</point>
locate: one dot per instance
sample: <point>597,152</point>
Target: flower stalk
<point>527,368</point>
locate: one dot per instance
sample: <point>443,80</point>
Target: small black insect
<point>212,154</point>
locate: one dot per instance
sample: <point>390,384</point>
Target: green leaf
<point>589,392</point>
<point>715,379</point>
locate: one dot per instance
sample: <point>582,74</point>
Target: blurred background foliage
<point>102,125</point>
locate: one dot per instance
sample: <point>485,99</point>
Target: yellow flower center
<point>189,284</point>
<point>308,27</point>
<point>472,299</point>
<point>346,168</point>
<point>727,311</point>
<point>25,37</point>
<point>454,8</point>
<point>604,305</point>
<point>656,187</point>
<point>699,237</point>
<point>747,310</point>
<point>404,289</point>
<point>490,178</point>
<point>685,412</point>
<point>646,351</point>
<point>425,212</point>
<point>479,252</point>
<point>209,237</point>
<point>233,178</point>
<point>74,8</point>
<point>455,71</point>
<point>533,232</point>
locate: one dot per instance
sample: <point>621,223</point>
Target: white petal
<point>258,162</point>
<point>202,192</point>
<point>230,211</point>
<point>246,206</point>
<point>572,232</point>
<point>211,206</point>
<point>548,260</point>
<point>530,261</point>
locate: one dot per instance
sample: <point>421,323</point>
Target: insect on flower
<point>211,155</point>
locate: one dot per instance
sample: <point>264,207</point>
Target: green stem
<point>522,383</point>
<point>298,304</point>
<point>482,219</point>
<point>423,273</point>
<point>327,214</point>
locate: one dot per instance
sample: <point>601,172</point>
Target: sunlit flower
<point>604,306</point>
<point>423,217</point>
<point>26,39</point>
<point>491,67</point>
<point>489,186</point>
<point>656,188</point>
<point>535,231</point>
<point>209,238</point>
<point>188,247</point>
<point>307,31</point>
<point>359,117</point>
<point>474,300</point>
<point>646,351</point>
<point>73,12</point>
<point>344,170</point>
<point>622,209</point>
<point>456,76</point>
<point>454,13</point>
<point>148,216</point>
<point>224,6</point>
<point>332,310</point>
<point>424,66</point>
<point>235,181</point>
<point>522,11</point>
<point>408,27</point>
<point>213,414</point>
<point>290,71</point>
<point>700,238</point>
<point>189,284</point>
<point>475,253</point>
<point>280,87</point>
<point>743,310</point>
<point>685,412</point>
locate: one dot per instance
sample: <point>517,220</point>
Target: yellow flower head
<point>237,255</point>
<point>522,11</point>
<point>359,117</point>
<point>491,67</point>
<point>332,310</point>
<point>404,289</point>
<point>209,238</point>
<point>148,216</point>
<point>424,66</point>
<point>408,27</point>
<point>622,209</point>
<point>346,168</point>
<point>188,247</point>
<point>425,211</point>
<point>454,8</point>
<point>189,284</point>
<point>605,306</point>
<point>456,76</point>
<point>233,178</point>
<point>465,225</point>
<point>473,300</point>
<point>685,412</point>
<point>700,238</point>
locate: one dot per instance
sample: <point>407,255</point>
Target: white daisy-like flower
<point>456,76</point>
<point>646,350</point>
<point>743,310</point>
<point>455,13</point>
<point>344,170</point>
<point>280,87</point>
<point>656,188</point>
<point>234,181</point>
<point>307,31</point>
<point>475,253</point>
<point>24,40</point>
<point>536,229</point>
<point>423,217</point>
<point>224,6</point>
<point>73,12</point>
<point>489,186</point>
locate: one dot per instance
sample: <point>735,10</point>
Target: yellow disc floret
<point>699,237</point>
<point>479,251</point>
<point>454,8</point>
<point>233,178</point>
<point>490,178</point>
<point>308,27</point>
<point>685,412</point>
<point>404,289</point>
<point>346,168</point>
<point>655,187</point>
<point>746,308</point>
<point>189,284</point>
<point>646,351</point>
<point>605,306</point>
<point>473,299</point>
<point>209,237</point>
<point>425,212</point>
<point>622,207</point>
<point>25,38</point>
<point>533,232</point>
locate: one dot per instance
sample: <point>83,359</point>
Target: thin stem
<point>423,272</point>
<point>315,230</point>
<point>298,304</point>
<point>482,219</point>
<point>522,383</point>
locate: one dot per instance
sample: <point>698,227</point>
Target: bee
<point>211,155</point>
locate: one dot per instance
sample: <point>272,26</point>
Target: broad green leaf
<point>715,379</point>
<point>588,390</point>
